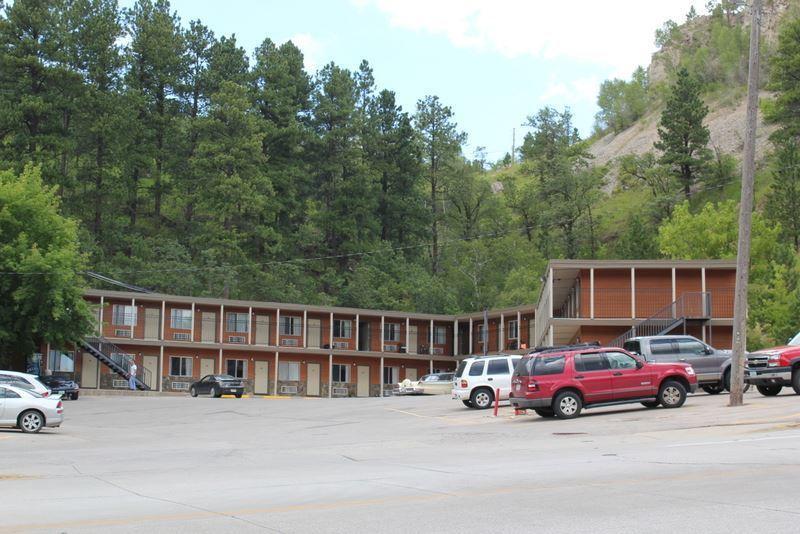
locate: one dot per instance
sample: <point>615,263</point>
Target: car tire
<point>726,381</point>
<point>796,380</point>
<point>672,394</point>
<point>30,421</point>
<point>214,393</point>
<point>713,389</point>
<point>193,391</point>
<point>567,405</point>
<point>769,390</point>
<point>238,395</point>
<point>545,412</point>
<point>75,396</point>
<point>482,398</point>
<point>651,404</point>
<point>467,403</point>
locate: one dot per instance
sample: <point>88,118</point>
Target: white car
<point>25,381</point>
<point>432,384</point>
<point>477,379</point>
<point>27,410</point>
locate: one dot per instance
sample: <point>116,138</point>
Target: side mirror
<point>709,350</point>
<point>639,364</point>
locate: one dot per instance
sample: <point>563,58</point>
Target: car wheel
<point>238,395</point>
<point>651,404</point>
<point>713,389</point>
<point>467,403</point>
<point>726,381</point>
<point>672,394</point>
<point>567,405</point>
<point>545,412</point>
<point>481,398</point>
<point>30,421</point>
<point>214,392</point>
<point>193,391</point>
<point>769,390</point>
<point>75,396</point>
<point>796,380</point>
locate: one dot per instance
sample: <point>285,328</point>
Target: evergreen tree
<point>681,133</point>
<point>783,199</point>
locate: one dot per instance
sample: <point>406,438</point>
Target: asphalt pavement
<point>402,464</point>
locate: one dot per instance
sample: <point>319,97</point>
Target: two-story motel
<point>296,349</point>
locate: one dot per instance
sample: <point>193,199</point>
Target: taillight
<point>464,384</point>
<point>46,394</point>
<point>60,404</point>
<point>533,386</point>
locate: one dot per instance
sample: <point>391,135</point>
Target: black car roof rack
<point>563,348</point>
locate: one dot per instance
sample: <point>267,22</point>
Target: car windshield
<point>795,341</point>
<point>225,377</point>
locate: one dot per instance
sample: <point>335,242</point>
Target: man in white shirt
<point>132,378</point>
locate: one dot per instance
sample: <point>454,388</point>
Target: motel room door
<point>261,384</point>
<point>88,371</point>
<point>314,333</point>
<point>209,327</point>
<point>312,385</point>
<point>206,367</point>
<point>151,364</point>
<point>362,381</point>
<point>412,340</point>
<point>152,324</point>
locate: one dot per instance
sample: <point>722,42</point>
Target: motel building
<point>295,349</point>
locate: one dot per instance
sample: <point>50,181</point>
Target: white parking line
<point>723,442</point>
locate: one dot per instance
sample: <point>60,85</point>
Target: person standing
<point>132,378</point>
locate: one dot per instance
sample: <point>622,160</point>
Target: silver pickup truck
<point>711,365</point>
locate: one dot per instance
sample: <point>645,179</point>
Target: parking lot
<point>412,464</point>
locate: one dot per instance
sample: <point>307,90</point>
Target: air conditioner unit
<point>289,343</point>
<point>340,392</point>
<point>180,385</point>
<point>236,339</point>
<point>122,333</point>
<point>390,348</point>
<point>341,345</point>
<point>181,336</point>
<point>289,389</point>
<point>437,350</point>
<point>123,384</point>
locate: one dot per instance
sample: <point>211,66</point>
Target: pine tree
<point>683,138</point>
<point>783,200</point>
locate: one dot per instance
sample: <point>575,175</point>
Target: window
<point>633,346</point>
<point>543,365</point>
<point>661,346</point>
<point>591,362</point>
<point>481,336</point>
<point>460,369</point>
<point>180,366</point>
<point>476,369</point>
<point>291,326</point>
<point>691,347</point>
<point>439,335</point>
<point>181,319</point>
<point>497,367</point>
<point>288,371</point>
<point>391,375</point>
<point>342,328</point>
<point>513,329</point>
<point>237,368</point>
<point>391,332</point>
<point>61,361</point>
<point>123,315</point>
<point>618,360</point>
<point>341,373</point>
<point>237,322</point>
<point>8,394</point>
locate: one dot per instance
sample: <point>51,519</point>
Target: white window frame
<point>284,371</point>
<point>244,367</point>
<point>291,325</point>
<point>51,360</point>
<point>128,316</point>
<point>342,329</point>
<point>238,322</point>
<point>180,319</point>
<point>513,323</point>
<point>394,373</point>
<point>185,370</point>
<point>346,372</point>
<point>391,332</point>
<point>439,335</point>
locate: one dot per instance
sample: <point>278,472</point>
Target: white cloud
<point>311,48</point>
<point>617,34</point>
<point>576,90</point>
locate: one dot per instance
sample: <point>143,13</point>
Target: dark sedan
<point>58,384</point>
<point>217,386</point>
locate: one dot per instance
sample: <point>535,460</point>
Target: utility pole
<point>745,215</point>
<point>513,144</point>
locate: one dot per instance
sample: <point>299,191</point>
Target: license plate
<point>752,373</point>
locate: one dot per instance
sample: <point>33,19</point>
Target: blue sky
<point>494,62</point>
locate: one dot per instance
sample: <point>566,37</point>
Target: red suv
<point>560,382</point>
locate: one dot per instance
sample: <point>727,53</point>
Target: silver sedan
<point>27,410</point>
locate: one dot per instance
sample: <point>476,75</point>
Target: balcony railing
<point>616,303</point>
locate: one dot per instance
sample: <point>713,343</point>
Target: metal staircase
<point>117,360</point>
<point>689,306</point>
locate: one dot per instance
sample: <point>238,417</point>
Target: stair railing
<point>122,360</point>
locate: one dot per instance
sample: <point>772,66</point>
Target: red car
<point>770,370</point>
<point>560,382</point>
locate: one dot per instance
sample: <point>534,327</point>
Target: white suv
<point>477,379</point>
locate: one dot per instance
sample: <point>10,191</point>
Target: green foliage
<point>783,199</point>
<point>646,170</point>
<point>682,137</point>
<point>784,109</point>
<point>622,102</point>
<point>43,303</point>
<point>667,33</point>
<point>638,239</point>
